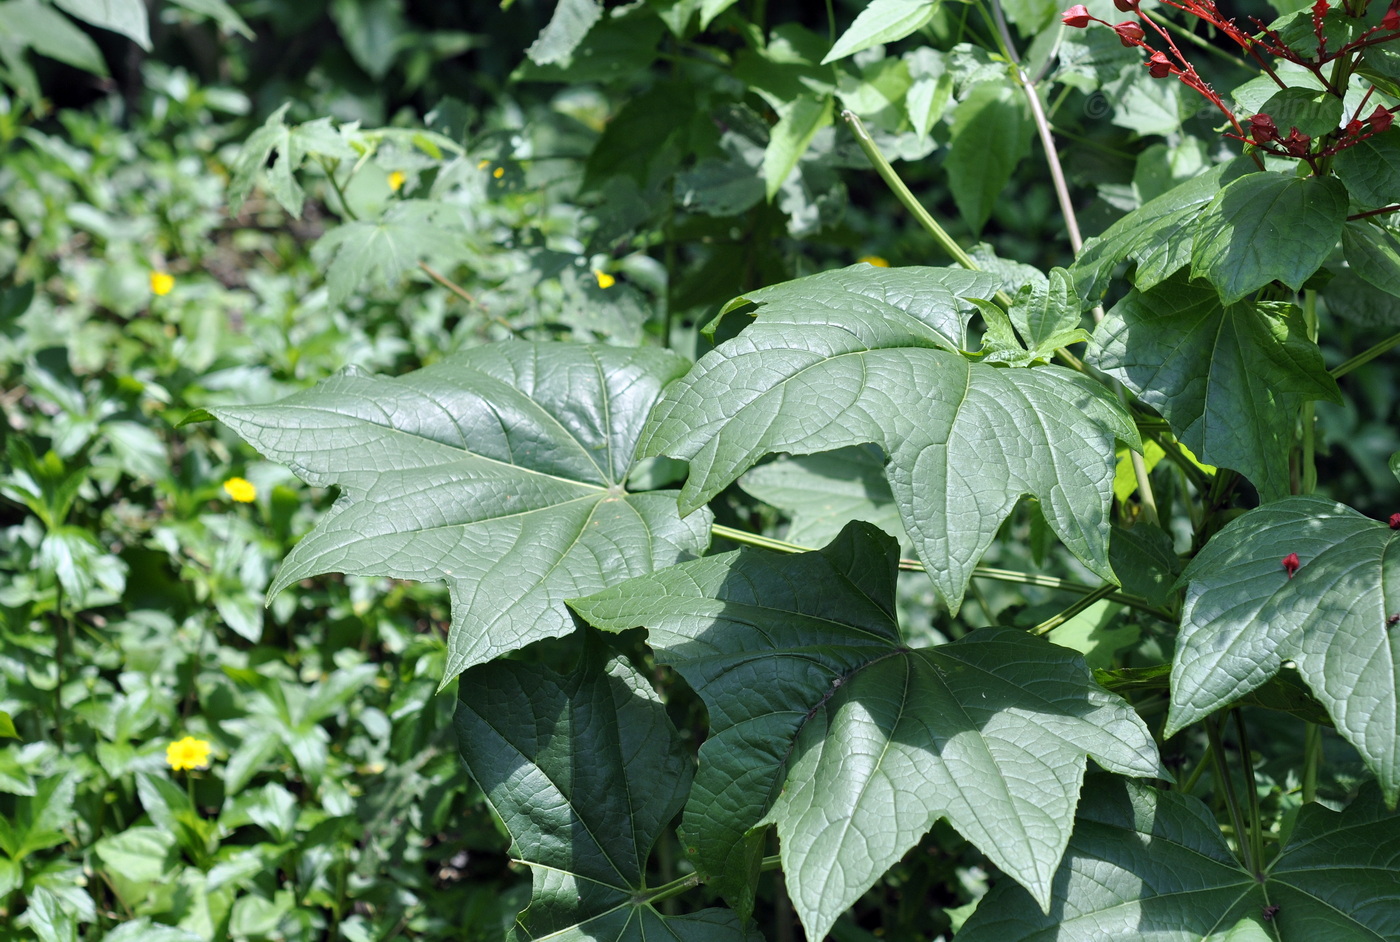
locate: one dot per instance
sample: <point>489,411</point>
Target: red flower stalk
<point>1291,564</point>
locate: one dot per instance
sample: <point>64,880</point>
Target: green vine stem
<point>1080,605</point>
<point>1312,760</point>
<point>1364,357</point>
<point>980,572</point>
<point>1256,823</point>
<point>335,185</point>
<point>1225,788</point>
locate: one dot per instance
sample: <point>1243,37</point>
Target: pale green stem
<point>980,572</point>
<point>1312,760</point>
<point>1226,787</point>
<point>1364,357</point>
<point>1308,415</point>
<point>1256,821</point>
<point>1055,621</point>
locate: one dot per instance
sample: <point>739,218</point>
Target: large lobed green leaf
<point>1156,236</point>
<point>1244,617</point>
<point>1229,379</point>
<point>1267,227</point>
<point>870,355</point>
<point>499,470</point>
<point>1147,864</point>
<point>823,722</point>
<point>586,771</point>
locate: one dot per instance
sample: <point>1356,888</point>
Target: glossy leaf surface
<point>868,355</point>
<point>1148,864</point>
<point>1229,379</point>
<point>499,470</point>
<point>824,723</point>
<point>1244,617</point>
<point>586,771</point>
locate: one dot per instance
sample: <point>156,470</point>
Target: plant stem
<point>1226,788</point>
<point>906,198</point>
<point>1364,357</point>
<point>60,656</point>
<point>1307,413</point>
<point>1080,605</point>
<point>980,572</point>
<point>1312,760</point>
<point>335,185</point>
<point>1256,824</point>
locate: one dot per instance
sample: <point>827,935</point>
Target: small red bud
<point>1126,6</point>
<point>1296,143</point>
<point>1262,129</point>
<point>1380,120</point>
<point>1353,127</point>
<point>1077,16</point>
<point>1290,564</point>
<point>1158,65</point>
<point>1129,33</point>
<point>1391,20</point>
<point>1320,9</point>
<point>1395,521</point>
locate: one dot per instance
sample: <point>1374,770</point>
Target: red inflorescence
<point>1391,20</point>
<point>1291,564</point>
<point>1077,16</point>
<point>1261,128</point>
<point>1129,33</point>
<point>1395,521</point>
<point>1158,65</point>
<point>1380,120</point>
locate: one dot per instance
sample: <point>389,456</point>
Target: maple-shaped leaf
<point>823,722</point>
<point>409,232</point>
<point>1149,864</point>
<point>1245,615</point>
<point>872,355</point>
<point>586,772</point>
<point>1229,378</point>
<point>292,144</point>
<point>499,470</point>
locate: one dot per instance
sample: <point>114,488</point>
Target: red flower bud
<point>1353,127</point>
<point>1296,143</point>
<point>1126,6</point>
<point>1158,65</point>
<point>1077,16</point>
<point>1261,128</point>
<point>1129,33</point>
<point>1395,521</point>
<point>1320,9</point>
<point>1380,120</point>
<point>1391,20</point>
<point>1290,564</point>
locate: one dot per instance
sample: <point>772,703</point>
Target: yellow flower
<point>187,753</point>
<point>240,490</point>
<point>875,260</point>
<point>498,172</point>
<point>161,283</point>
<point>396,180</point>
<point>604,279</point>
<point>483,165</point>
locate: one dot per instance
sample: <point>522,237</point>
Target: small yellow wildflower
<point>397,180</point>
<point>188,753</point>
<point>161,284</point>
<point>483,165</point>
<point>498,172</point>
<point>604,279</point>
<point>241,490</point>
<point>875,260</point>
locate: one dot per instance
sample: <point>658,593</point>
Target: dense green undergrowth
<point>713,496</point>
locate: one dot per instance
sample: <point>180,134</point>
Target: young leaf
<point>409,232</point>
<point>586,771</point>
<point>865,355</point>
<point>1229,379</point>
<point>1264,227</point>
<point>990,136</point>
<point>1157,236</point>
<point>1244,617</point>
<point>824,723</point>
<point>1147,864</point>
<point>883,21</point>
<point>499,470</point>
<point>1047,316</point>
<point>798,123</point>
